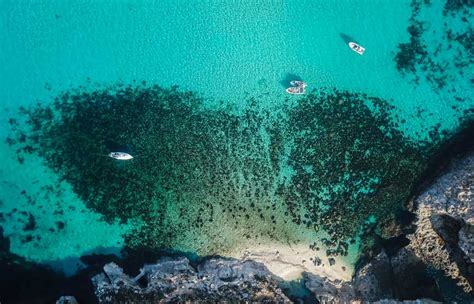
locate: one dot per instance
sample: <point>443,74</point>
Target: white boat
<point>120,155</point>
<point>298,87</point>
<point>357,48</point>
<point>298,83</point>
<point>296,90</point>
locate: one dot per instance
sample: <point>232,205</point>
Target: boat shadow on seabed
<point>289,77</point>
<point>347,38</point>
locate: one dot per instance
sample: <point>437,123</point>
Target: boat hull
<point>295,91</point>
<point>357,48</point>
<point>120,155</point>
<point>297,88</point>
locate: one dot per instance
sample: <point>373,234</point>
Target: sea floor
<point>235,56</point>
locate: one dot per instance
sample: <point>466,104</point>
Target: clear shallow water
<point>225,51</point>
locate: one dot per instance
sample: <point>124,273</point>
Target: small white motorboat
<point>120,155</point>
<point>357,48</point>
<point>298,83</point>
<point>296,90</point>
<point>298,87</point>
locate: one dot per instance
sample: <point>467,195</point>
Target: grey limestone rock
<point>176,281</point>
<point>327,291</point>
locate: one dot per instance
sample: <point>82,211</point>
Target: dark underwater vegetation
<point>336,170</point>
<point>447,58</point>
<point>209,179</point>
<point>329,168</point>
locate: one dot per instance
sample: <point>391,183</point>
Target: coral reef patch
<point>440,50</point>
<point>207,180</point>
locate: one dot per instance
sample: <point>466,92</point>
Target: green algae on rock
<point>208,180</point>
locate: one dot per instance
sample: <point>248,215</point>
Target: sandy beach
<point>289,262</point>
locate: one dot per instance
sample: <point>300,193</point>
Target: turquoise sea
<point>233,55</point>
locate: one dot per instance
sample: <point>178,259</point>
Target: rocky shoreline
<point>441,246</point>
<point>176,281</point>
<point>444,236</point>
<point>429,260</point>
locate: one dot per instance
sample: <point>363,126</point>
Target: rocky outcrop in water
<point>176,281</point>
<point>441,244</point>
<point>399,276</point>
<point>444,227</point>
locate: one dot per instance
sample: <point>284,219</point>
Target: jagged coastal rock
<point>444,227</point>
<point>442,241</point>
<point>327,291</point>
<point>175,281</point>
<point>399,276</point>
